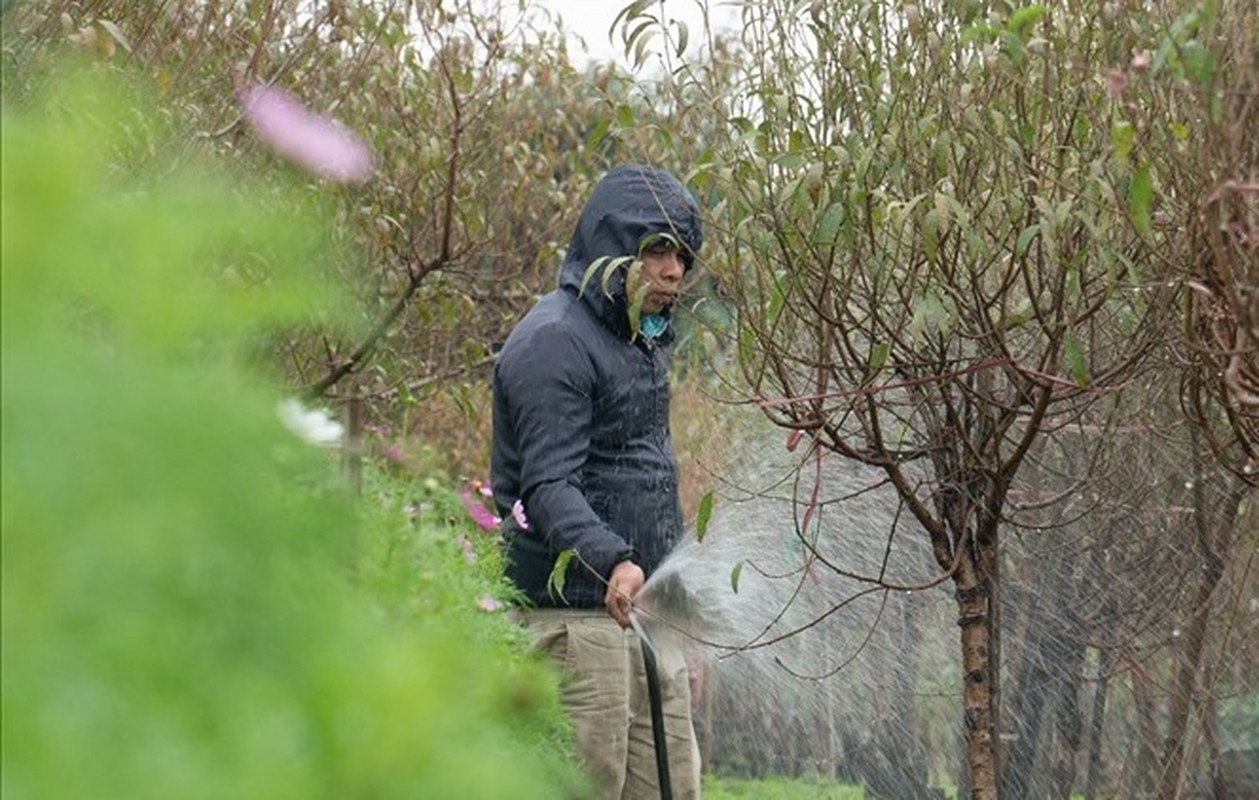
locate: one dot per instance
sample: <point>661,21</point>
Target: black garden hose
<point>657,716</point>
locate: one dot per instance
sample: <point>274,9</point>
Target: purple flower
<point>488,603</point>
<point>481,515</point>
<point>304,137</point>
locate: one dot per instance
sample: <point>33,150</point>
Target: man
<point>583,465</point>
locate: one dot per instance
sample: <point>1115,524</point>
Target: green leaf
<point>106,28</point>
<point>591,270</point>
<point>1077,367</point>
<point>684,37</point>
<point>1199,62</point>
<point>943,208</point>
<point>878,357</point>
<point>1139,196</point>
<point>629,13</point>
<point>931,234</point>
<point>1121,137</point>
<point>638,38</point>
<point>625,115</point>
<point>597,133</point>
<point>631,275</point>
<point>792,160</point>
<point>555,582</point>
<point>829,225</point>
<point>1021,21</point>
<point>1074,290</point>
<point>703,515</point>
<point>1013,46</point>
<point>734,575</point>
<point>640,47</point>
<point>1025,240</point>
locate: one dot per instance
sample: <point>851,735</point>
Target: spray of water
<point>812,655</point>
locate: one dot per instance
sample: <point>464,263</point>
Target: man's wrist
<point>630,556</point>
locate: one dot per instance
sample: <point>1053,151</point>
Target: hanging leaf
<point>555,582</point>
<point>1077,367</point>
<point>1139,196</point>
<point>828,226</point>
<point>734,576</point>
<point>931,234</point>
<point>107,28</point>
<point>597,134</point>
<point>684,36</point>
<point>625,115</point>
<point>1025,240</point>
<point>878,357</point>
<point>703,515</point>
<point>1074,289</point>
<point>628,14</point>
<point>1122,134</point>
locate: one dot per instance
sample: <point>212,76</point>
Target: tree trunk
<point>1097,724</point>
<point>1211,536</point>
<point>975,620</point>
<point>1144,764</point>
<point>1068,652</point>
<point>1171,777</point>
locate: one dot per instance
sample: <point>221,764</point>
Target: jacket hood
<point>628,204</point>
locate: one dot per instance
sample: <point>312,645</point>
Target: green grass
<point>776,788</point>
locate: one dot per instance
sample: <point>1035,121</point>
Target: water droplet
<point>1175,632</point>
<point>1188,484</point>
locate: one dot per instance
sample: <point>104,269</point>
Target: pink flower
<point>481,515</point>
<point>1116,82</point>
<point>393,453</point>
<point>488,603</point>
<point>518,514</point>
<point>304,137</point>
<point>1140,61</point>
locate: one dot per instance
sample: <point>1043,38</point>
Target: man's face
<point>661,273</point>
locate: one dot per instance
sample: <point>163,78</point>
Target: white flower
<point>518,513</point>
<point>313,425</point>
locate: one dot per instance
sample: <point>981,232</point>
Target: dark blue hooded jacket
<point>581,406</point>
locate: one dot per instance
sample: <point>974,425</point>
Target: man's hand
<point>624,582</point>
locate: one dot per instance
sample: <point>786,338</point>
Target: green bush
<point>178,618</point>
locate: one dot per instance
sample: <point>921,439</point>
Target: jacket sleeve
<point>549,386</point>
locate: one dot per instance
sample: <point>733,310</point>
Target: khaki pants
<point>605,694</point>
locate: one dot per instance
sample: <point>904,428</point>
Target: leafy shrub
<point>177,618</point>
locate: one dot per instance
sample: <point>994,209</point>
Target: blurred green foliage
<point>178,615</point>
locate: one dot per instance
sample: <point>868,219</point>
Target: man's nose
<point>673,268</point>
